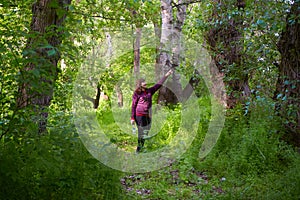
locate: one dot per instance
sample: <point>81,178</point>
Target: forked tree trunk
<point>39,76</point>
<point>287,92</point>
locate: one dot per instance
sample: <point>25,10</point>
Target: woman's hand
<point>132,122</point>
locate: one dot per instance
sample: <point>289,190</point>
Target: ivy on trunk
<point>288,84</point>
<point>38,76</point>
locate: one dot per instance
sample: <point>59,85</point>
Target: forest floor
<point>247,163</point>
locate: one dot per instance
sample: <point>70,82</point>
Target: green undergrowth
<point>250,161</point>
<point>54,165</point>
<point>166,122</point>
<point>251,157</point>
<point>121,133</point>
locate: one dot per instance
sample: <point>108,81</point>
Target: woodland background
<point>253,44</point>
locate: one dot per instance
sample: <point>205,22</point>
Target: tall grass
<point>249,161</point>
<point>257,164</point>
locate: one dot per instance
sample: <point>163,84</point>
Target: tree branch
<point>99,16</point>
<point>184,3</point>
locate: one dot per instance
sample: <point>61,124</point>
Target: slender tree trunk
<point>119,95</point>
<point>97,99</point>
<point>157,32</point>
<point>136,49</point>
<point>226,43</point>
<point>109,55</point>
<point>39,76</point>
<point>287,92</point>
<point>93,82</point>
<point>109,52</point>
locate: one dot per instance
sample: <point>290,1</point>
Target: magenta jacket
<point>142,103</point>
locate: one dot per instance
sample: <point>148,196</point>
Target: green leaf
<point>51,52</point>
<point>36,72</point>
<point>261,23</point>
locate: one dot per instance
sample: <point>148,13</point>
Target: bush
<point>54,166</point>
<point>250,154</point>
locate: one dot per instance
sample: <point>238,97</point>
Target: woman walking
<point>141,107</point>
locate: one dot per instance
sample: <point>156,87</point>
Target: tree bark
<point>175,85</point>
<point>170,50</point>
<point>288,85</point>
<point>165,45</point>
<point>225,42</point>
<point>119,95</point>
<point>109,52</point>
<point>97,98</point>
<point>136,49</point>
<point>39,76</point>
<point>109,55</point>
<point>157,32</point>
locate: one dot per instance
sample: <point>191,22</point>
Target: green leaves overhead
<point>112,13</point>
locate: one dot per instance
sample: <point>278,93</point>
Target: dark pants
<point>144,125</point>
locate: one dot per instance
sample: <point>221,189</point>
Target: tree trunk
<point>136,49</point>
<point>226,43</point>
<point>177,51</point>
<point>109,55</point>
<point>39,76</point>
<point>97,99</point>
<point>165,45</point>
<point>109,52</point>
<point>288,84</point>
<point>119,95</point>
<point>157,32</point>
<point>170,49</point>
<point>93,81</point>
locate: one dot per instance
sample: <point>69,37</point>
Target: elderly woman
<point>141,107</point>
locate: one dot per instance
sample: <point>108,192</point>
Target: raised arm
<point>160,82</point>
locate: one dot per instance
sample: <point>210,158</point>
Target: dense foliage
<point>253,159</point>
